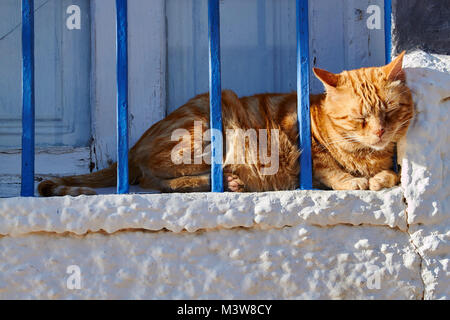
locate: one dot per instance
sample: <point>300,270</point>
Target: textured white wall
<point>425,171</point>
<point>297,244</point>
<point>391,244</point>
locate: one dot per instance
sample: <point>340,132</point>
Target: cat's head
<point>368,107</point>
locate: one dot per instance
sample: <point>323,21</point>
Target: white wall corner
<point>425,169</point>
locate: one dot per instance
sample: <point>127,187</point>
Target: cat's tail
<point>78,185</point>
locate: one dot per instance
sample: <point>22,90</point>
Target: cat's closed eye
<point>361,120</point>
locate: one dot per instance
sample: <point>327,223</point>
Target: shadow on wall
<point>422,25</point>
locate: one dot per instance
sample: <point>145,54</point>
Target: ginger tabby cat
<point>354,125</point>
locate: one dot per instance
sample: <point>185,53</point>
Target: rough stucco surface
<point>298,244</point>
<point>304,261</point>
<point>193,212</point>
<point>425,171</point>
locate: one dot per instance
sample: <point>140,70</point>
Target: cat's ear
<point>329,80</point>
<point>394,70</point>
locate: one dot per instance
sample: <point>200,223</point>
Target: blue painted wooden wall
<point>258,42</point>
<point>62,74</point>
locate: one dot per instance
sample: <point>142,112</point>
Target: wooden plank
<point>62,71</point>
<point>10,186</point>
<point>56,161</point>
<point>59,161</point>
<point>27,189</point>
<point>147,72</point>
<point>103,85</point>
<point>303,113</point>
<point>146,65</point>
<point>215,96</point>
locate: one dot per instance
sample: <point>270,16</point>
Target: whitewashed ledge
<point>201,211</point>
<point>276,245</point>
<point>392,244</point>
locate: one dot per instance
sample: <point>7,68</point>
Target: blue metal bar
<point>388,52</point>
<point>122,97</point>
<point>27,187</point>
<point>303,113</point>
<point>215,96</point>
<point>387,30</point>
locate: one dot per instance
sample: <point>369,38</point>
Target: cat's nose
<point>380,132</point>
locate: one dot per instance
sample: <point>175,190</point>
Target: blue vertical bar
<point>122,97</point>
<point>215,96</point>
<point>388,51</point>
<point>303,113</point>
<point>387,30</point>
<point>27,187</point>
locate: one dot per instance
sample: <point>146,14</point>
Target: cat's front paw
<point>234,184</point>
<point>352,184</point>
<point>383,179</point>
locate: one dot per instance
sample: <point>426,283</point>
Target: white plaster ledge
<point>198,211</point>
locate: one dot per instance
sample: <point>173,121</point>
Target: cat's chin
<point>379,146</point>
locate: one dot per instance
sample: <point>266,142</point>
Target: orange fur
<point>354,126</point>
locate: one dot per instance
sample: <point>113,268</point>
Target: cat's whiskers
<point>345,138</point>
<point>401,125</point>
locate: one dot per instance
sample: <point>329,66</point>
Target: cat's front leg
<point>329,173</point>
<point>341,180</point>
<point>383,179</point>
<point>351,183</point>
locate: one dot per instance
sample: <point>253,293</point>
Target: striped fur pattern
<point>355,125</point>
